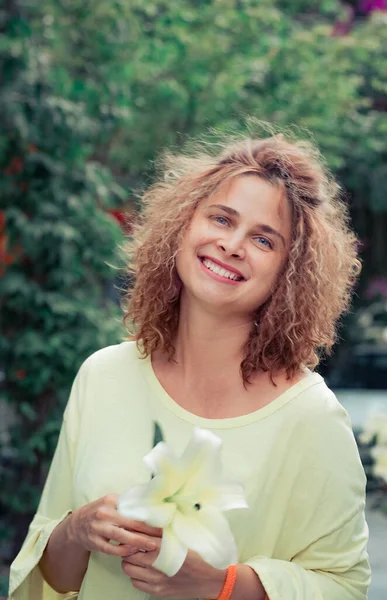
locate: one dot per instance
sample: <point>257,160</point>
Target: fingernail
<point>150,546</point>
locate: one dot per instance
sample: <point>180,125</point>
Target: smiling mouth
<point>218,270</point>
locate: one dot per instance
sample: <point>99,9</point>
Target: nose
<point>232,246</point>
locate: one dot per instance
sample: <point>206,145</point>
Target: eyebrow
<point>261,226</point>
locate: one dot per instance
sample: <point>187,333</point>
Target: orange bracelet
<point>229,584</point>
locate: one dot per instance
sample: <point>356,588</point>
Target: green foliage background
<point>91,91</point>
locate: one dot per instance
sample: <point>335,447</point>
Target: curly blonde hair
<point>298,322</point>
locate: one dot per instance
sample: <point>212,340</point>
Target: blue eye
<point>263,241</point>
<point>221,220</point>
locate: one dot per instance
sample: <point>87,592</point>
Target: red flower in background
<point>15,166</point>
<point>124,218</point>
<point>6,258</point>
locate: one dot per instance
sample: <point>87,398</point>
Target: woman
<point>243,264</point>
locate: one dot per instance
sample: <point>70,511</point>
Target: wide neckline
<point>309,380</point>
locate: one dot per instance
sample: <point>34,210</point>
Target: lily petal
<point>159,458</point>
<point>172,553</point>
<point>208,533</point>
<point>200,461</point>
<point>138,504</point>
<point>162,461</point>
<point>224,496</point>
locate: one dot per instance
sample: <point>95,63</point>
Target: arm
<point>324,536</point>
<point>55,554</point>
<point>248,586</point>
<point>195,578</point>
<point>64,563</point>
<point>334,567</point>
<point>55,506</point>
<point>66,556</point>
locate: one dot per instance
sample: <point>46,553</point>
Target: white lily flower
<point>187,497</point>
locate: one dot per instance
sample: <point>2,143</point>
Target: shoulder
<point>323,436</point>
<point>319,418</point>
<point>316,402</point>
<point>107,369</point>
<point>110,359</point>
<point>330,469</point>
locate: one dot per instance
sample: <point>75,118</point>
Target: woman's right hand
<point>98,526</point>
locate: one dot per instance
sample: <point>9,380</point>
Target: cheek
<point>184,258</point>
<point>267,270</point>
<point>193,241</point>
<point>267,264</point>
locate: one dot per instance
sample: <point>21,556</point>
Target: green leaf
<point>158,435</point>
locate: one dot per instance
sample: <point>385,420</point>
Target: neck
<point>209,346</point>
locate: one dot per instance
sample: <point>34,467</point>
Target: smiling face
<point>236,245</point>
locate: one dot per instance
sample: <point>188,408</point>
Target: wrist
<point>224,584</point>
<point>70,528</point>
<point>248,586</point>
<point>215,584</point>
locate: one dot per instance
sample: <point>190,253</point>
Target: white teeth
<point>219,270</point>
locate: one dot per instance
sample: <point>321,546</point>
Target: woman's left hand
<point>196,578</point>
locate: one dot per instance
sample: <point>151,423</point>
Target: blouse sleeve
<point>327,529</point>
<point>26,580</point>
<point>334,567</point>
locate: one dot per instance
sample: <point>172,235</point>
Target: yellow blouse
<point>304,532</point>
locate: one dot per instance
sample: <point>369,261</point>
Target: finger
<point>145,574</point>
<point>112,549</point>
<point>140,527</point>
<point>109,513</point>
<point>127,538</point>
<point>111,500</point>
<point>131,552</point>
<point>107,510</point>
<point>141,559</point>
<point>142,586</point>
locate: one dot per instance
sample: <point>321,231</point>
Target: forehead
<point>252,196</point>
